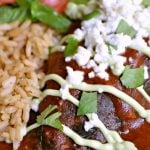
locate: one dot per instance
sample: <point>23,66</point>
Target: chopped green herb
<point>50,17</point>
<point>79,2</point>
<point>52,119</point>
<point>45,113</point>
<point>146,3</point>
<point>71,47</point>
<point>88,103</point>
<point>10,14</point>
<point>132,78</point>
<point>91,15</point>
<point>125,28</point>
<point>111,48</point>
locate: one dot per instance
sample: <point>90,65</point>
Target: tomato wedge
<point>58,5</point>
<point>3,2</point>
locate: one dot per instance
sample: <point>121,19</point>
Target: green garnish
<point>146,3</point>
<point>125,28</point>
<point>111,48</point>
<point>88,103</point>
<point>10,14</point>
<point>79,2</point>
<point>50,120</point>
<point>132,78</point>
<point>37,11</point>
<point>50,17</point>
<point>91,15</point>
<point>71,47</point>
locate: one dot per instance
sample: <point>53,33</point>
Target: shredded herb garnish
<point>46,118</point>
<point>111,48</point>
<point>79,2</point>
<point>91,15</point>
<point>71,47</point>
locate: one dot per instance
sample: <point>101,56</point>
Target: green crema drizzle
<point>113,138</point>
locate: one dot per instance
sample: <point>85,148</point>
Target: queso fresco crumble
<point>120,24</point>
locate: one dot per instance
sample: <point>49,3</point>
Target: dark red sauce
<point>133,127</point>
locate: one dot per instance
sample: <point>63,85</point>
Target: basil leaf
<point>79,2</point>
<point>52,119</point>
<point>125,28</point>
<point>146,3</point>
<point>71,47</point>
<point>88,103</point>
<point>49,16</point>
<point>91,15</point>
<point>132,78</point>
<point>9,14</point>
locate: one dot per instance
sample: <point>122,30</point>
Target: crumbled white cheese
<point>103,45</point>
<point>64,90</point>
<point>35,106</point>
<point>130,59</point>
<point>88,125</point>
<point>74,77</point>
<point>79,34</point>
<point>91,64</point>
<point>67,59</point>
<point>91,74</point>
<point>103,75</point>
<point>77,11</point>
<point>82,56</point>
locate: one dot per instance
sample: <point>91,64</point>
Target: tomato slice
<point>3,2</point>
<point>58,5</point>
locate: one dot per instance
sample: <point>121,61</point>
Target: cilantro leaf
<point>71,47</point>
<point>79,2</point>
<point>53,121</point>
<point>88,103</point>
<point>45,113</point>
<point>125,28</point>
<point>146,3</point>
<point>132,78</point>
<point>111,48</point>
<point>91,15</point>
<point>50,119</point>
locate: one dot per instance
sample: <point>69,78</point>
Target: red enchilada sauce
<point>133,128</point>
